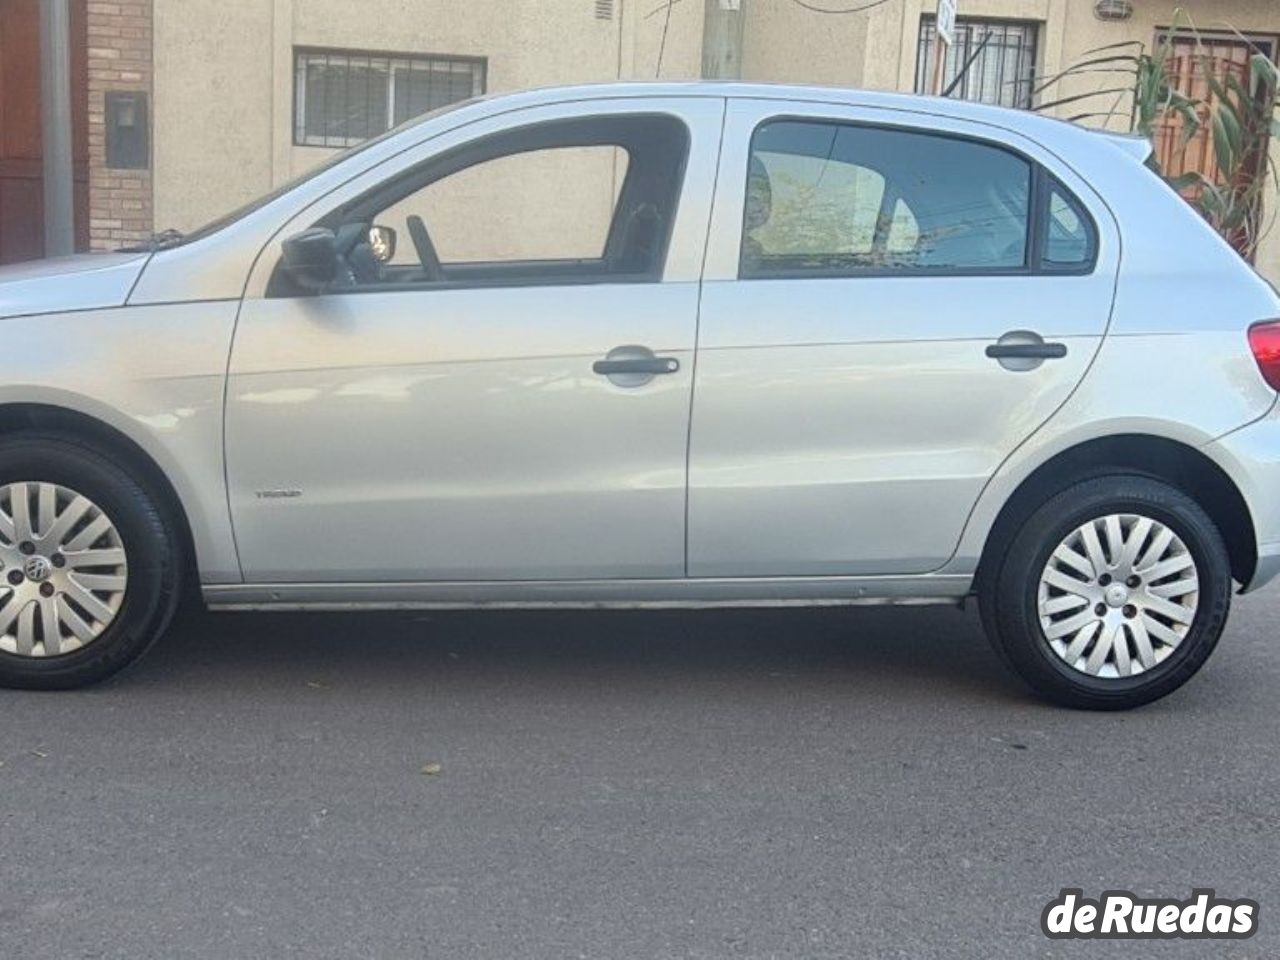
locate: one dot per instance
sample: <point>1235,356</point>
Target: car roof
<point>1034,125</point>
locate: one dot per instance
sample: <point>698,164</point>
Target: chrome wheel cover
<point>1118,595</point>
<point>63,570</point>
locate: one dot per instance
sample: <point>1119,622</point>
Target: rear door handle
<point>641,365</point>
<point>1027,351</point>
<point>1020,351</point>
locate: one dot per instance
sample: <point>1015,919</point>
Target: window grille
<point>342,97</point>
<point>1003,55</point>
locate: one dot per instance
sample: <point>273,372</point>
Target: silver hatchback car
<point>655,345</point>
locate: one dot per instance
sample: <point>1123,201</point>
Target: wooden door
<point>21,153</point>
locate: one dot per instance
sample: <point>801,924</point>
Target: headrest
<point>759,195</point>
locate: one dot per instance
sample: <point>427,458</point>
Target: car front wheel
<point>1113,593</point>
<point>89,571</point>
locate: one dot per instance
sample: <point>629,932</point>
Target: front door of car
<point>893,302</point>
<point>504,396</point>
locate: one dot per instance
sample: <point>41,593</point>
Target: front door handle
<point>1027,351</point>
<point>643,365</point>
<point>633,366</point>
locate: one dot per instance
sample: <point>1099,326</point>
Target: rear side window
<point>830,199</point>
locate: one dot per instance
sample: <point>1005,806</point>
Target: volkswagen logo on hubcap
<point>37,569</point>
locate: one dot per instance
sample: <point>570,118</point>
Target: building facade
<point>240,96</point>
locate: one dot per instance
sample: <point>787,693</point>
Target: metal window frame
<point>479,69</point>
<point>927,38</point>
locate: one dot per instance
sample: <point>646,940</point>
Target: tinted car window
<point>827,198</point>
<point>1069,234</point>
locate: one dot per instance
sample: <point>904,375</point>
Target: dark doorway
<point>21,153</point>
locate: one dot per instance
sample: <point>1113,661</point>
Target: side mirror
<point>311,258</point>
<point>382,241</point>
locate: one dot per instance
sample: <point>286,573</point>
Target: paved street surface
<point>812,784</point>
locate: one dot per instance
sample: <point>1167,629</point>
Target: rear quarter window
<point>1070,237</point>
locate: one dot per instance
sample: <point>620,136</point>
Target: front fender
<point>155,374</point>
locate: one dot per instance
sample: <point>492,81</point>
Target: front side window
<point>342,98</point>
<point>588,200</point>
<point>555,203</point>
<point>829,199</point>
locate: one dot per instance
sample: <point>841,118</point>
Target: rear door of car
<point>885,317</point>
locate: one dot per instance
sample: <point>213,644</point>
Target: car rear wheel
<point>1113,593</point>
<point>89,571</point>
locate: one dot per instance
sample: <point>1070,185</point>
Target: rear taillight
<point>1264,340</point>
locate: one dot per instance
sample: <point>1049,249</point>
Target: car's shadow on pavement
<point>865,651</point>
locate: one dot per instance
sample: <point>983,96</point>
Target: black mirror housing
<point>311,258</point>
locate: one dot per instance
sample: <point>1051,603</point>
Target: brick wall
<point>120,210</point>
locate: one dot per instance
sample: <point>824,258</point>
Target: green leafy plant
<point>1243,120</point>
<point>1239,112</point>
<point>1144,82</point>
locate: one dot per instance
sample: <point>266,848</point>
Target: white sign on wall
<point>947,20</point>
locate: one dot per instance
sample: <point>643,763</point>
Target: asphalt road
<point>633,785</point>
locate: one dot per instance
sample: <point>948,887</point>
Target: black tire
<point>152,550</point>
<point>1009,598</point>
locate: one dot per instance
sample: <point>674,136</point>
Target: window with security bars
<point>997,59</point>
<point>342,97</point>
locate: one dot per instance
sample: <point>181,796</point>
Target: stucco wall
<point>213,119</point>
<point>224,73</point>
<point>788,44</point>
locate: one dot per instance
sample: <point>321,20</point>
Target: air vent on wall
<point>604,9</point>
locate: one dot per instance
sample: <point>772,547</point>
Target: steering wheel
<point>427,256</point>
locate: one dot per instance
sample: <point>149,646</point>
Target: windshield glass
<point>172,238</point>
